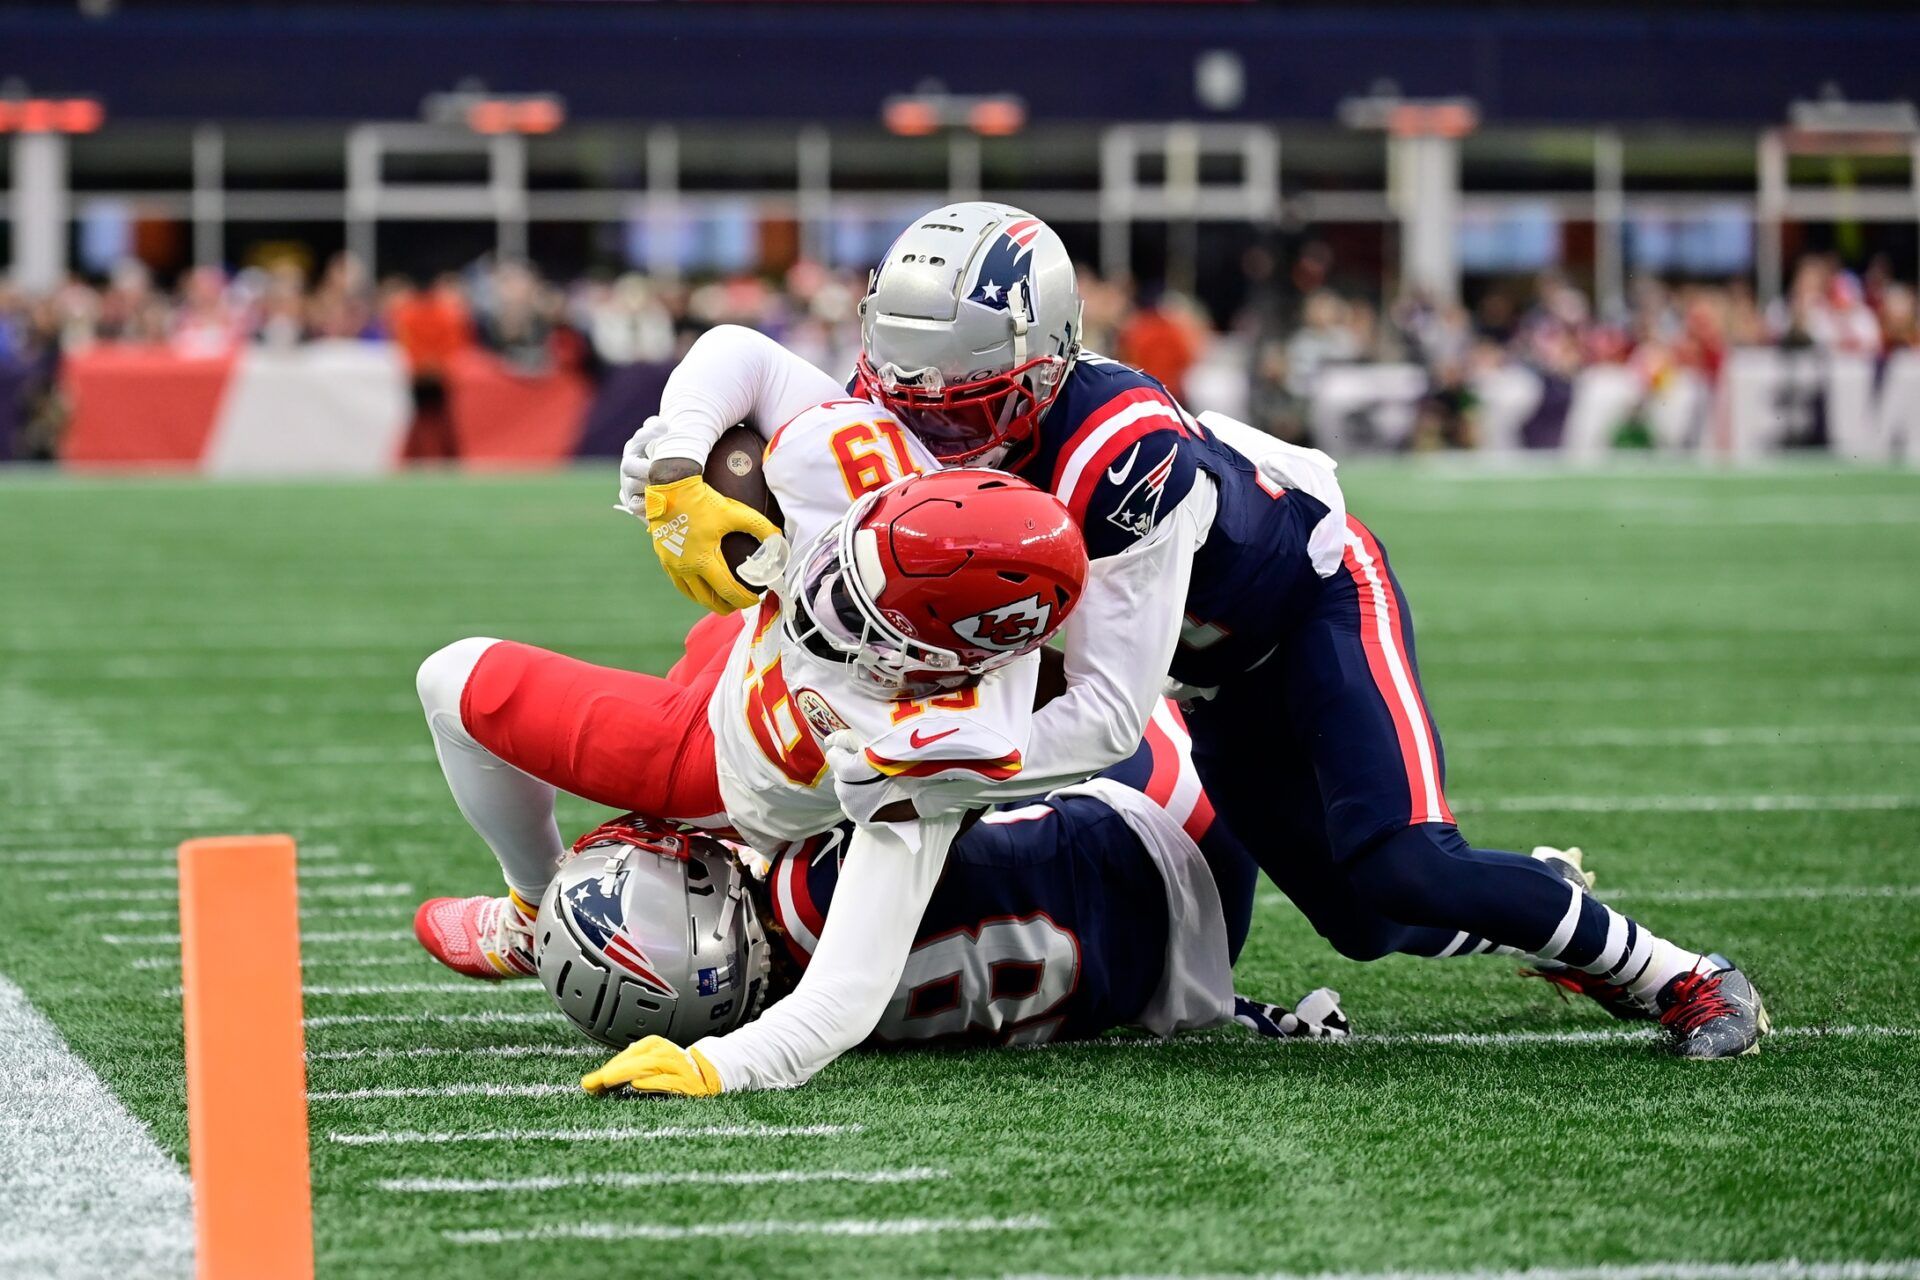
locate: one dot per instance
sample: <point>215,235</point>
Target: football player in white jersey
<point>892,664</point>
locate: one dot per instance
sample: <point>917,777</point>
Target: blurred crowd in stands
<point>1298,319</point>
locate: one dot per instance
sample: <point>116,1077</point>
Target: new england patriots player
<point>1091,909</point>
<point>1223,561</point>
<point>906,628</point>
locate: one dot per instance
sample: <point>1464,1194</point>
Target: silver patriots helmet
<point>970,326</point>
<point>649,930</point>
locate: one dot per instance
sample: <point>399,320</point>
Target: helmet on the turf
<point>934,580</point>
<point>970,326</point>
<point>647,930</point>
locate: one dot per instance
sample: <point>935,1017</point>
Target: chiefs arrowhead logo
<point>1011,626</point>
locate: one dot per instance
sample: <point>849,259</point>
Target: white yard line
<point>1733,736</point>
<point>1752,893</point>
<point>435,1137</point>
<point>165,963</point>
<point>446,1091</point>
<point>406,989</point>
<point>1464,1039</point>
<point>95,872</point>
<point>167,895</point>
<point>491,1018</point>
<point>306,913</point>
<point>1761,802</point>
<point>472,1051</point>
<point>735,1230</point>
<point>1779,1269</point>
<point>323,937</point>
<point>632,1181</point>
<point>84,1188</point>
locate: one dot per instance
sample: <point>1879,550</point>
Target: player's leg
<point>512,725</point>
<point>1353,680</point>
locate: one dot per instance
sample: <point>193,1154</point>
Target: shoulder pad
<point>1127,485</point>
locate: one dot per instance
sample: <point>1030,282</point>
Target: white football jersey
<point>778,702</point>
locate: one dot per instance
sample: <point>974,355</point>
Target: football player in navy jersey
<point>1119,902</point>
<point>1223,561</point>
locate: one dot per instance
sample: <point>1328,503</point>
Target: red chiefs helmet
<point>936,579</point>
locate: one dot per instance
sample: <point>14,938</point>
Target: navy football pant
<point>1326,764</point>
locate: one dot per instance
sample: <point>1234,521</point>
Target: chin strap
<point>1018,304</point>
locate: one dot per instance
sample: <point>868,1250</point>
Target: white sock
<point>512,811</point>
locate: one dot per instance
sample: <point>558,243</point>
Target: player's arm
<point>885,883</point>
<point>731,374</point>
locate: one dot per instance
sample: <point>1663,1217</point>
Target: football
<point>734,470</point>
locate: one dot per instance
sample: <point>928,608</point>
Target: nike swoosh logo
<point>920,741</point>
<point>1119,474</point>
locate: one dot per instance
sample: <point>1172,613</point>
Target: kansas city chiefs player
<point>1220,559</point>
<point>896,657</point>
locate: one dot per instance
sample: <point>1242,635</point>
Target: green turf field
<point>1710,682</point>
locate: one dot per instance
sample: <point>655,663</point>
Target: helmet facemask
<point>835,609</point>
<point>966,420</point>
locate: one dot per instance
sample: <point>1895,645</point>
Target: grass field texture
<point>1711,682</point>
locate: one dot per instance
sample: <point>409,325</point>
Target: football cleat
<point>1713,1012</point>
<point>1568,864</point>
<point>481,937</point>
<point>1317,1017</point>
<point>1612,997</point>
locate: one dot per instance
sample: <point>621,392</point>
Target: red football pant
<point>618,738</point>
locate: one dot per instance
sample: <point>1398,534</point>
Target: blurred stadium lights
<point>931,109</point>
<point>490,113</point>
<point>40,206</point>
<point>1423,180</point>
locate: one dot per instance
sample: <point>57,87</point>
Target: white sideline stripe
<point>1779,1269</point>
<point>628,1181</point>
<point>169,895</point>
<point>411,1019</point>
<point>474,1051</point>
<point>167,871</point>
<point>322,937</point>
<point>734,1230</point>
<point>428,1137</point>
<point>1760,803</point>
<point>405,989</point>
<point>1743,736</point>
<point>84,1188</point>
<point>445,1091</point>
<point>164,858</point>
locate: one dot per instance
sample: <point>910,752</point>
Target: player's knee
<point>1405,875</point>
<point>442,678</point>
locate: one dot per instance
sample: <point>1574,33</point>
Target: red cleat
<point>486,938</point>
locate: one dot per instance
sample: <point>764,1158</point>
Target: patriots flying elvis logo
<point>1008,262</point>
<point>596,909</point>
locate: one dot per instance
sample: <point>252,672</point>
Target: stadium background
<point>1705,675</point>
<point>1382,227</point>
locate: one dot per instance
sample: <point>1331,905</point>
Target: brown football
<point>733,469</point>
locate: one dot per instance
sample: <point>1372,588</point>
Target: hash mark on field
<point>1779,1269</point>
<point>306,913</point>
<point>408,1019</point>
<point>769,1227</point>
<point>629,1181</point>
<point>164,963</point>
<point>168,895</point>
<point>475,1051</point>
<point>430,1137</point>
<point>1466,1039</point>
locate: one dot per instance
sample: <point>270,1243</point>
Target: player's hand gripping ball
<point>655,1065</point>
<point>706,526</point>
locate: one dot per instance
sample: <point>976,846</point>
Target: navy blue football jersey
<point>1121,454</point>
<point>1050,920</point>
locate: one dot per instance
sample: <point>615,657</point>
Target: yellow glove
<point>655,1065</point>
<point>688,518</point>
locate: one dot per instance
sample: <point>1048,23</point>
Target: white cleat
<point>1570,864</point>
